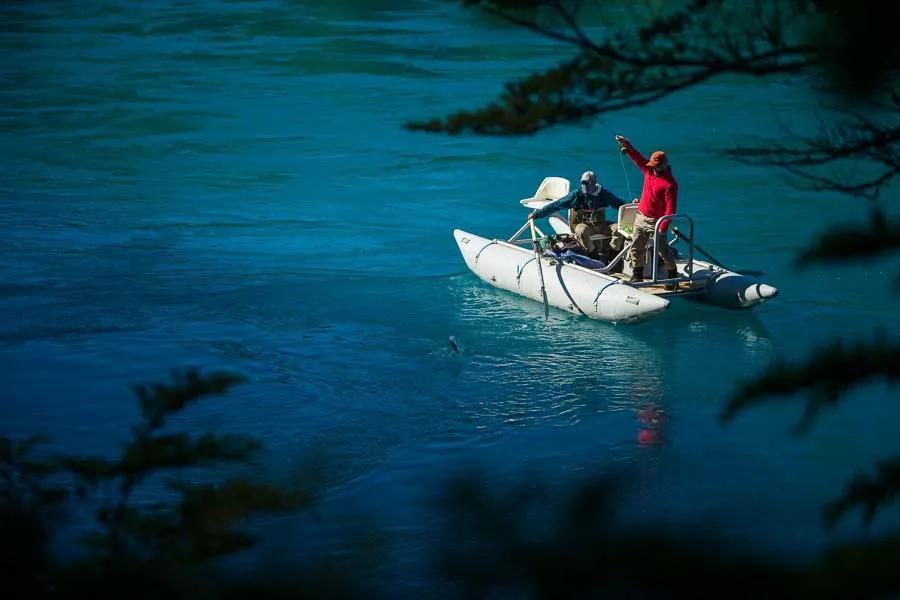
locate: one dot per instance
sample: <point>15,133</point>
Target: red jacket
<point>660,194</point>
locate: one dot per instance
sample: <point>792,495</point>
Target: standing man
<point>587,215</point>
<point>658,199</point>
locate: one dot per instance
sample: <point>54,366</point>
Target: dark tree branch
<point>826,375</point>
<point>843,243</point>
<point>160,400</point>
<point>868,144</point>
<point>152,453</point>
<point>867,493</point>
<point>628,69</point>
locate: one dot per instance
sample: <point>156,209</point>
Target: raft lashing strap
<point>483,248</point>
<point>603,289</point>
<point>520,270</point>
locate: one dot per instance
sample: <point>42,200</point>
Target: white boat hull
<point>569,287</point>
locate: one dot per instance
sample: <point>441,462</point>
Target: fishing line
<point>621,159</point>
<point>625,171</point>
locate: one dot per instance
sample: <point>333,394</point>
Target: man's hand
<point>665,226</point>
<point>623,142</point>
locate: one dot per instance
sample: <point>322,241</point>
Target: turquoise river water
<point>230,186</point>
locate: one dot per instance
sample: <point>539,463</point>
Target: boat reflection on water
<point>646,399</point>
<point>570,369</point>
<point>562,372</point>
<point>653,422</point>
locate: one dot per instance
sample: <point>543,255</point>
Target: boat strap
<point>603,289</point>
<point>491,243</point>
<point>520,270</point>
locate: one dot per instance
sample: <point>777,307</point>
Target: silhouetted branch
<point>844,243</point>
<point>160,400</point>
<point>868,493</point>
<point>201,526</point>
<point>826,375</point>
<point>23,477</point>
<point>208,513</point>
<point>179,450</point>
<point>26,495</point>
<point>525,545</point>
<point>632,68</point>
<point>91,470</point>
<point>871,145</point>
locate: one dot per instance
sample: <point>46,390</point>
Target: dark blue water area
<point>230,186</point>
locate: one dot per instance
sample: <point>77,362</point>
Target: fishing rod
<point>690,241</point>
<point>621,158</point>
<point>608,128</point>
<point>625,171</point>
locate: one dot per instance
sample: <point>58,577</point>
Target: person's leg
<point>665,251</point>
<point>616,243</point>
<point>641,235</point>
<point>613,229</point>
<point>583,233</point>
<point>606,228</point>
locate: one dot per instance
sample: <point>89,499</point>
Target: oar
<point>710,256</point>
<point>537,256</point>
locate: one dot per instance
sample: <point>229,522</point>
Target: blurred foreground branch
<point>829,372</point>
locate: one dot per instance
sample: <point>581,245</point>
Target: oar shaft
<point>698,248</point>
<point>537,257</point>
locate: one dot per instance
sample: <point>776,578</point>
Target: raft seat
<point>627,213</point>
<point>551,188</point>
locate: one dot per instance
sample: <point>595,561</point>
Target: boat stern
<point>731,290</point>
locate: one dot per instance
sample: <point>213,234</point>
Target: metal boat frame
<point>652,249</point>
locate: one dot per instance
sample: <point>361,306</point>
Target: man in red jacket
<point>658,198</point>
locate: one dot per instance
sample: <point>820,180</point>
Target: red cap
<point>657,157</point>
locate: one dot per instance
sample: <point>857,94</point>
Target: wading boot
<point>671,274</point>
<point>637,275</point>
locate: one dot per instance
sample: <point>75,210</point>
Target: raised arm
<point>636,157</point>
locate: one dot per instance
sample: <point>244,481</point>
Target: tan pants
<point>643,231</point>
<point>584,231</point>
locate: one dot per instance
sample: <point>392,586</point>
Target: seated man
<point>588,204</point>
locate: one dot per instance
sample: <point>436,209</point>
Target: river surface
<point>231,186</point>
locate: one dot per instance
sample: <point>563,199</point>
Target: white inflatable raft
<point>597,290</point>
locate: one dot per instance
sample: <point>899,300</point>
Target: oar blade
<point>546,305</point>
